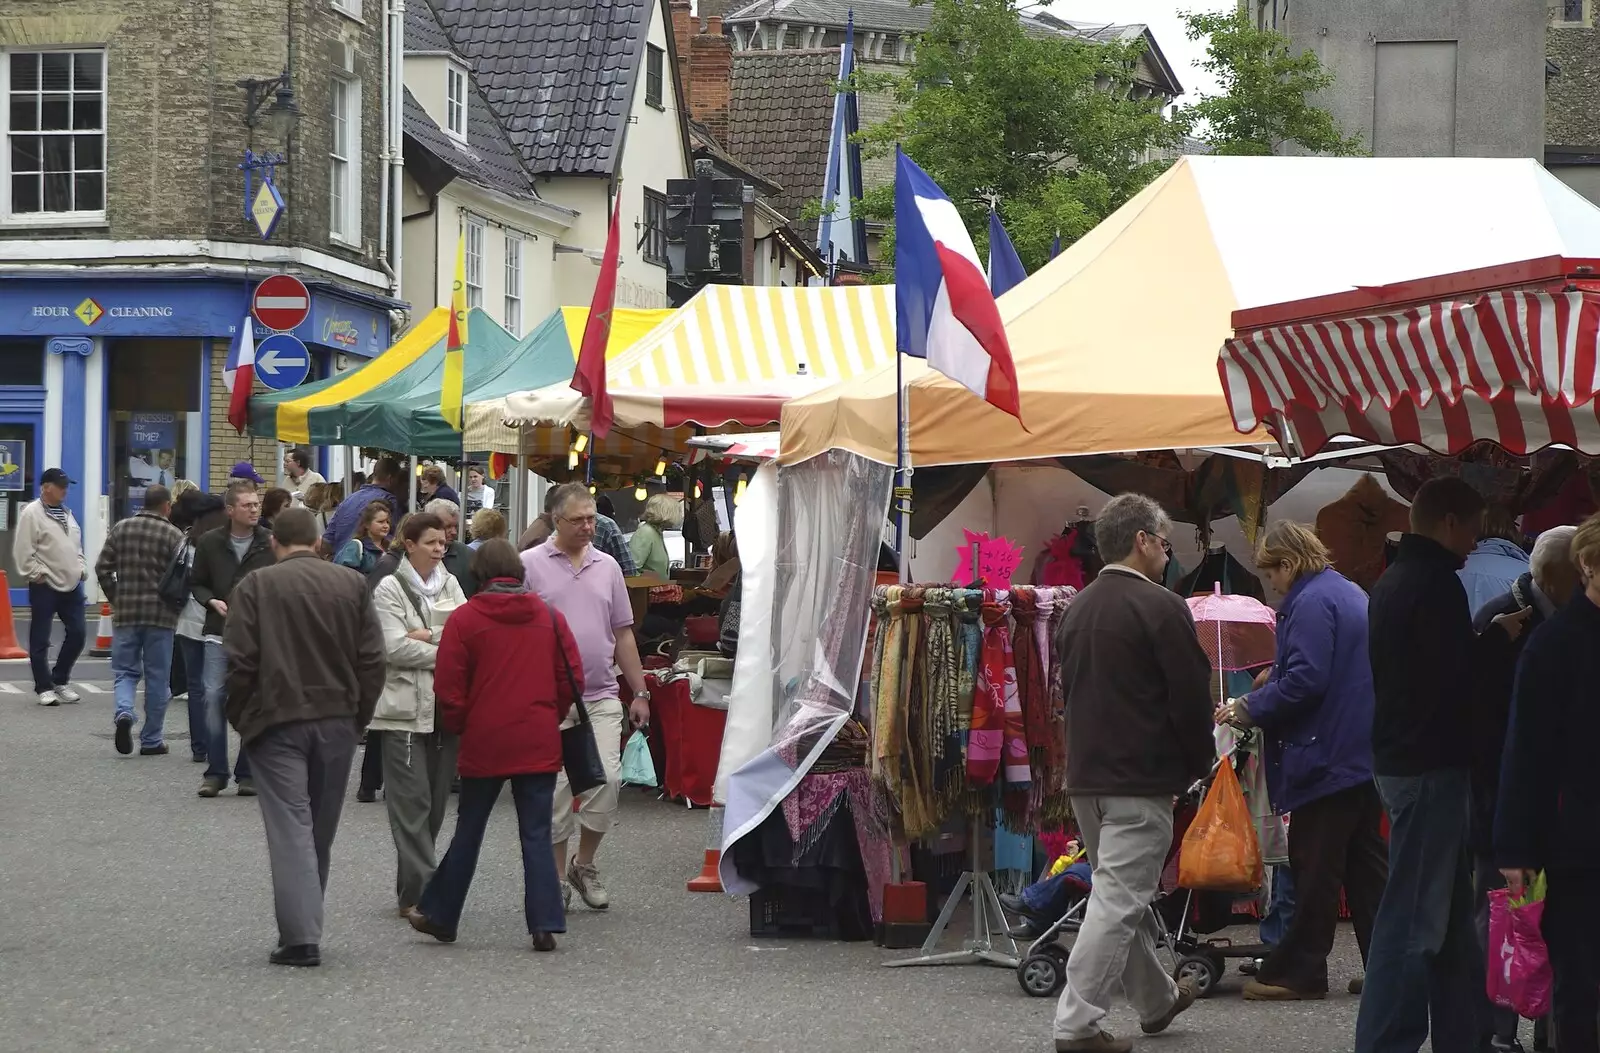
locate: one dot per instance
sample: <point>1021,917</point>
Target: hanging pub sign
<point>263,205</point>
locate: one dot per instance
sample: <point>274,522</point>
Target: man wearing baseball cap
<point>246,470</point>
<point>48,551</point>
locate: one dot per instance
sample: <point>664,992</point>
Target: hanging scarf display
<point>1031,686</point>
<point>918,811</point>
<point>998,745</point>
<point>888,725</point>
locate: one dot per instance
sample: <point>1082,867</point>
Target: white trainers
<point>585,877</point>
<point>566,896</point>
<point>49,698</point>
<point>66,694</point>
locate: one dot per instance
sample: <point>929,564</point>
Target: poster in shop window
<point>13,455</point>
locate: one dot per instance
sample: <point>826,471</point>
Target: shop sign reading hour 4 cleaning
<point>89,311</point>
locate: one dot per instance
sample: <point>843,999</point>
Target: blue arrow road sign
<point>282,362</point>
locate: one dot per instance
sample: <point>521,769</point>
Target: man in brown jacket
<point>305,669</point>
<point>1139,732</point>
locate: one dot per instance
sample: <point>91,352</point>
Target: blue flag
<point>1005,266</point>
<point>1055,246</point>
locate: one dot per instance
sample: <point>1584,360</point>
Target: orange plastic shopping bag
<point>1220,852</point>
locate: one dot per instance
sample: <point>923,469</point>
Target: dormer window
<point>455,101</point>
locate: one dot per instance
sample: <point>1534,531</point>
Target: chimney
<point>710,77</point>
<point>683,27</point>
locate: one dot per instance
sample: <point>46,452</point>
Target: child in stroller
<point>1186,919</point>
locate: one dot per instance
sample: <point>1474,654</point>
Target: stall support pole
<point>988,921</point>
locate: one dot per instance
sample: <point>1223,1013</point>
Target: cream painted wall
<point>429,264</point>
<point>425,79</point>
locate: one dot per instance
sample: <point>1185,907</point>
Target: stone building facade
<point>127,255</point>
<point>1572,96</point>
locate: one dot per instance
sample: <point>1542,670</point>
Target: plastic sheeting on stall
<point>831,511</point>
<point>751,700</point>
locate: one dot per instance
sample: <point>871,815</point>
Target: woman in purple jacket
<point>1316,713</point>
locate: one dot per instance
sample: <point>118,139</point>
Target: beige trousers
<point>598,807</point>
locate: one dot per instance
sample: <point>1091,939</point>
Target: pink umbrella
<point>1237,632</point>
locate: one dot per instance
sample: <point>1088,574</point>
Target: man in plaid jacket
<point>130,568</point>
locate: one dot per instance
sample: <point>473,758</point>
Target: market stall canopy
<point>360,408</point>
<point>1481,323</point>
<point>412,423</point>
<point>486,406</point>
<point>729,359</point>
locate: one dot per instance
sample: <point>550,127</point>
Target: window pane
<point>27,155</point>
<point>24,113</point>
<point>88,153</point>
<point>55,113</point>
<point>86,112</point>
<point>56,70</point>
<point>89,192</point>
<point>88,71</point>
<point>24,71</point>
<point>57,153</point>
<point>57,192</point>
<point>25,193</point>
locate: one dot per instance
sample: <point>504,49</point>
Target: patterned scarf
<point>917,808</point>
<point>998,728</point>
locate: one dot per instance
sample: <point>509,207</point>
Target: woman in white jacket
<point>419,762</point>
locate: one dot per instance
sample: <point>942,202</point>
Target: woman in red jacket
<point>504,682</point>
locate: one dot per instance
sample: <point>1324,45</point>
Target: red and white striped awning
<point>1519,366</point>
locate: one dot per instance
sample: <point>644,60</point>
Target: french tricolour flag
<point>239,374</point>
<point>944,311</point>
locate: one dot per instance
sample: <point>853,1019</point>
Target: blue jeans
<point>446,891</point>
<point>194,669</point>
<point>1425,961</point>
<point>142,650</point>
<point>45,605</point>
<point>1280,912</point>
<point>216,710</point>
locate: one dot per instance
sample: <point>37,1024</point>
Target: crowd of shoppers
<point>307,633</point>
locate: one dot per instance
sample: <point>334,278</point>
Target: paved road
<point>137,916</point>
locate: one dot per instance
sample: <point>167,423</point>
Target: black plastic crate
<point>781,911</point>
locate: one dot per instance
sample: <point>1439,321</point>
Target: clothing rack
<point>966,718</point>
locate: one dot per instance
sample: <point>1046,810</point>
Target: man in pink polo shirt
<point>586,586</point>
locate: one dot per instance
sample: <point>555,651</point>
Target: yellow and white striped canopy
<point>726,361</point>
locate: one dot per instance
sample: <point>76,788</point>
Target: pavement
<point>137,916</point>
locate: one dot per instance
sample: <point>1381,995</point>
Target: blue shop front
<point>113,378</point>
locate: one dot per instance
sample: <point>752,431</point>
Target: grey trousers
<point>417,772</point>
<point>1127,839</point>
<point>300,771</point>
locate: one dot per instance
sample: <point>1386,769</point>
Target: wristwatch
<point>642,695</point>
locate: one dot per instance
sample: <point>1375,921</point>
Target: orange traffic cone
<point>102,635</point>
<point>9,648</point>
<point>708,880</point>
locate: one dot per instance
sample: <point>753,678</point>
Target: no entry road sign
<point>281,302</point>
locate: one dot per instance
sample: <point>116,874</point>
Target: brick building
<point>127,252</point>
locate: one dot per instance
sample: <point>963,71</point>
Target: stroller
<point>1185,920</point>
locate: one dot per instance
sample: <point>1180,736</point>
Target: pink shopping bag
<point>1519,975</point>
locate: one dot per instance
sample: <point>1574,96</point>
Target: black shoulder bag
<point>173,588</point>
<point>580,753</point>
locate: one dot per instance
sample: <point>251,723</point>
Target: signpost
<point>281,302</point>
<point>282,361</point>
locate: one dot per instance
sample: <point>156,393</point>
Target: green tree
<point>1044,124</point>
<point>1262,106</point>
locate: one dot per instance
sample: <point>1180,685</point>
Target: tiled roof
<point>560,73</point>
<point>870,14</point>
<point>779,115</point>
<point>901,16</point>
<point>487,158</point>
<point>423,34</point>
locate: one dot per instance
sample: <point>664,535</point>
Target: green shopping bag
<point>637,767</point>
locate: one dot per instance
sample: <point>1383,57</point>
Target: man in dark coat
<point>1139,732</point>
<point>305,669</point>
<point>1427,662</point>
<point>1542,591</point>
<point>223,557</point>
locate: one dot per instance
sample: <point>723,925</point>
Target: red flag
<point>589,379</point>
<point>241,377</point>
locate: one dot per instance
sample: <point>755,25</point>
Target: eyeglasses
<point>578,520</point>
<point>1166,546</point>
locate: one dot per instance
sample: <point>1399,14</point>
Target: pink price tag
<point>998,560</point>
